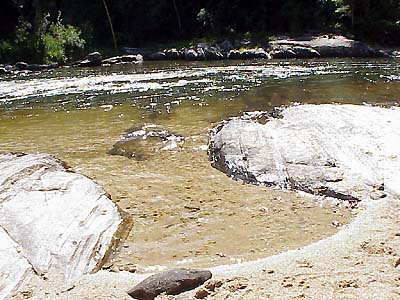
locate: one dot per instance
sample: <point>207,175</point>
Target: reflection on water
<point>185,212</point>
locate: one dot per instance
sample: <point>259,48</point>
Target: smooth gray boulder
<point>325,46</point>
<point>171,282</point>
<point>344,151</point>
<point>52,221</point>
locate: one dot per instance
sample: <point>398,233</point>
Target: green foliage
<point>60,42</point>
<point>49,42</point>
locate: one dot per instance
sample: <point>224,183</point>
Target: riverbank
<point>306,47</point>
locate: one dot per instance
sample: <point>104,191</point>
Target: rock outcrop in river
<point>52,221</point>
<point>344,151</point>
<point>142,142</point>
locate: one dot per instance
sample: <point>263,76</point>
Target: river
<point>184,212</point>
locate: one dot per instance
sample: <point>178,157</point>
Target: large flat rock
<point>344,151</point>
<point>326,46</point>
<point>52,221</point>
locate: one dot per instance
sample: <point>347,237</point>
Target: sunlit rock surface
<point>14,268</point>
<point>344,151</point>
<point>54,221</point>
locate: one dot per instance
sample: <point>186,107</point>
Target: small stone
<point>171,282</point>
<point>335,224</point>
<point>397,263</point>
<point>347,283</point>
<point>213,284</point>
<point>201,293</point>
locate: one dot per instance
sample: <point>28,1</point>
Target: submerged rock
<point>343,151</point>
<point>141,142</point>
<point>52,221</point>
<point>171,282</point>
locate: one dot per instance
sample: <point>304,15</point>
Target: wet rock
<point>191,54</point>
<point>92,60</point>
<point>305,52</point>
<point>122,59</point>
<point>211,52</point>
<point>341,151</point>
<point>141,142</point>
<point>248,54</point>
<point>172,54</point>
<point>52,221</point>
<point>171,282</point>
<point>34,67</point>
<point>21,65</point>
<point>3,71</point>
<point>283,53</point>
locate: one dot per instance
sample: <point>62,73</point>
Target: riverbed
<point>184,212</point>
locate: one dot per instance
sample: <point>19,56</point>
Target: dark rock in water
<point>209,52</point>
<point>283,53</point>
<point>172,54</point>
<point>305,52</point>
<point>3,71</point>
<point>248,54</point>
<point>34,67</point>
<point>171,282</point>
<point>92,60</point>
<point>123,59</point>
<point>343,151</point>
<point>191,54</point>
<point>141,142</point>
<point>21,66</point>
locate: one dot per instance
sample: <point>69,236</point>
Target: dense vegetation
<point>37,30</point>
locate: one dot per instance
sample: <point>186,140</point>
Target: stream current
<point>184,212</point>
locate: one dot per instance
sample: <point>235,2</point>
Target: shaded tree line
<point>138,23</point>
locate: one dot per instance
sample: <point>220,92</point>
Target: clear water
<point>185,213</point>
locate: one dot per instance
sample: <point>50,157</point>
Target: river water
<point>184,212</point>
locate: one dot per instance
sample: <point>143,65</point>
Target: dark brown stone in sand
<point>171,282</point>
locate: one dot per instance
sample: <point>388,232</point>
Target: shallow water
<point>185,212</point>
